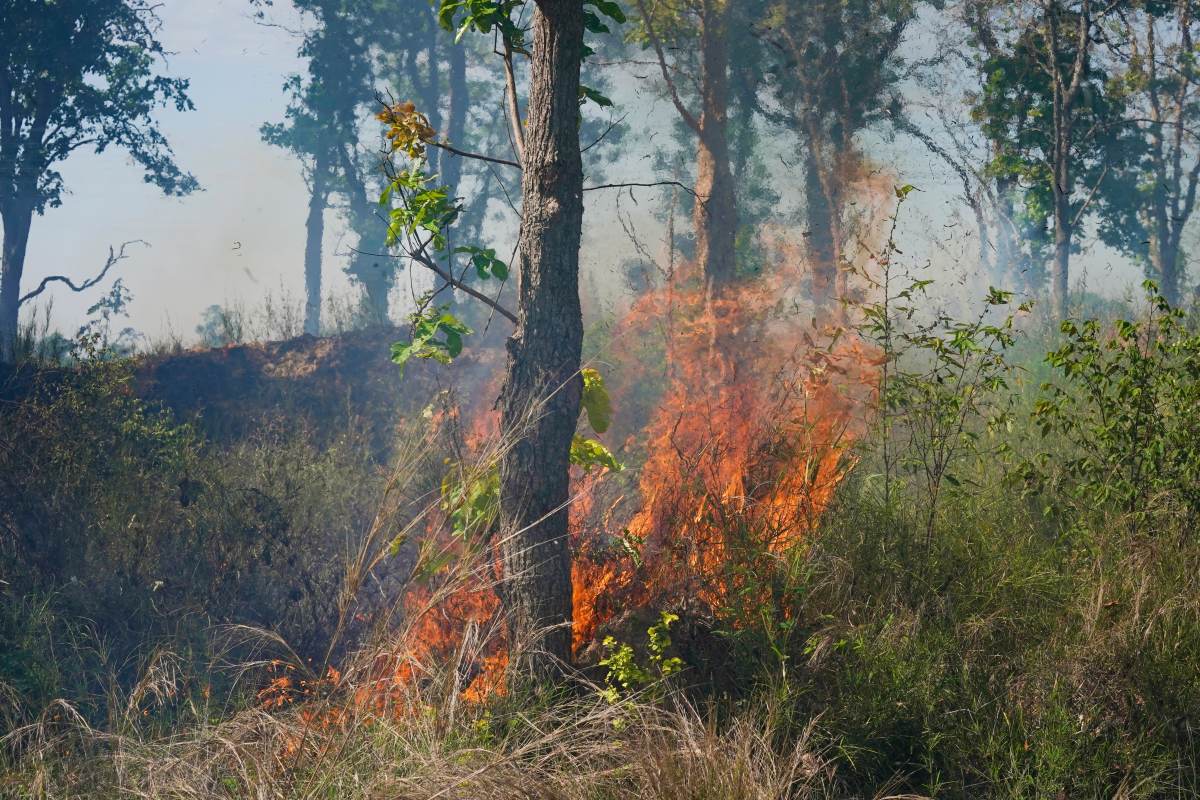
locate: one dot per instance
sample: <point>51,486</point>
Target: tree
<point>74,74</point>
<point>1057,128</point>
<point>1155,42</point>
<point>833,73</point>
<point>321,128</point>
<point>543,387</point>
<point>699,34</point>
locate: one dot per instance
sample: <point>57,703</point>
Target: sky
<point>242,237</point>
<point>239,237</point>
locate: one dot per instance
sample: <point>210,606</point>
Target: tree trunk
<point>1164,261</point>
<point>315,235</point>
<point>1009,272</point>
<point>541,395</point>
<point>819,233</point>
<point>456,124</point>
<point>1060,270</point>
<point>17,219</point>
<point>715,218</point>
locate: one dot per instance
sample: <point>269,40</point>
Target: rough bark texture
<point>716,217</point>
<point>541,395</point>
<point>17,220</point>
<point>314,228</point>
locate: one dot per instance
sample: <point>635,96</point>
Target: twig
<point>421,257</point>
<point>655,184</point>
<point>449,148</point>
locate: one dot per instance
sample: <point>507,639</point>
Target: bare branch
<point>655,184</point>
<point>449,148</point>
<point>687,115</point>
<point>113,258</point>
<point>514,105</point>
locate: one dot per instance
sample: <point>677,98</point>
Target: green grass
<point>1033,646</point>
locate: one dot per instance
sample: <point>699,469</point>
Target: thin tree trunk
<point>820,233</point>
<point>369,264</point>
<point>17,219</point>
<point>716,216</point>
<point>456,124</point>
<point>541,395</point>
<point>314,228</point>
<point>1063,233</point>
<point>451,166</point>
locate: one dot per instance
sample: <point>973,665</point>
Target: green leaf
<point>589,453</point>
<point>596,401</point>
<point>427,326</point>
<point>587,93</point>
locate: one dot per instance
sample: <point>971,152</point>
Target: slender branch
<point>449,148</point>
<point>655,184</point>
<point>1091,196</point>
<point>113,258</point>
<point>611,127</point>
<point>687,115</point>
<point>421,257</point>
<point>514,105</point>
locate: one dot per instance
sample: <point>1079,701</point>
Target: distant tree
<point>833,72</point>
<point>74,74</point>
<point>321,128</point>
<point>1058,128</point>
<point>707,59</point>
<point>1154,47</point>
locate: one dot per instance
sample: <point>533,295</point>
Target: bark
<point>1061,266</point>
<point>716,216</point>
<point>314,228</point>
<point>541,395</point>
<point>821,235</point>
<point>17,219</point>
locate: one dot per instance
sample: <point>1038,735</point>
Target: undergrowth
<point>1027,627</point>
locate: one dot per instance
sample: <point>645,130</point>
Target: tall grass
<point>1001,643</point>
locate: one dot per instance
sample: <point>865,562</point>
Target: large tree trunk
<point>17,219</point>
<point>541,395</point>
<point>314,228</point>
<point>716,217</point>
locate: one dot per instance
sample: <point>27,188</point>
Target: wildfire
<point>743,449</point>
<point>739,441</point>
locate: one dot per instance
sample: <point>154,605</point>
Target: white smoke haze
<point>242,237</point>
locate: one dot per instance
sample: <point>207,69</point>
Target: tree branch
<point>677,184</point>
<point>420,256</point>
<point>449,148</point>
<point>688,117</point>
<point>113,258</point>
<point>514,105</point>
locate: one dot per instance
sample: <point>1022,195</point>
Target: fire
<point>743,450</point>
<point>739,427</point>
